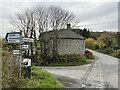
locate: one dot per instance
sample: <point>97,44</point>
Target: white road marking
<point>104,69</point>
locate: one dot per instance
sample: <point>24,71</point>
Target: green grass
<point>82,62</point>
<point>41,79</point>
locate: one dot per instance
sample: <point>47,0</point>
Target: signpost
<point>14,37</point>
<point>25,46</point>
<point>27,40</point>
<point>16,52</point>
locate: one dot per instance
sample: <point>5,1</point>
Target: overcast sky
<point>97,16</point>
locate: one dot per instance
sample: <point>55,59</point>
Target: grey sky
<point>97,16</point>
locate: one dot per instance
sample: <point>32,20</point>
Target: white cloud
<point>88,13</point>
<point>59,0</point>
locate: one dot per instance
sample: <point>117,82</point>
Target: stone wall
<point>71,46</point>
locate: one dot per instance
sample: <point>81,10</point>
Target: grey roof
<point>63,33</point>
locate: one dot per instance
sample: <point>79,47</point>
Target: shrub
<point>89,54</point>
<point>97,46</point>
<point>90,43</point>
<point>107,50</point>
<point>71,58</point>
<point>117,53</point>
<point>9,71</point>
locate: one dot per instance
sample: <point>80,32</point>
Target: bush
<point>117,53</point>
<point>89,54</point>
<point>9,71</point>
<point>71,58</point>
<point>97,46</point>
<point>90,43</point>
<point>107,50</point>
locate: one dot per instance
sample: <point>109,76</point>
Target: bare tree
<point>41,16</point>
<point>22,22</point>
<point>59,18</point>
<point>33,22</point>
<point>25,22</point>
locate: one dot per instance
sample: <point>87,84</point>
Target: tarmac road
<point>102,73</point>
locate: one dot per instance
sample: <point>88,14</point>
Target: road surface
<point>102,73</point>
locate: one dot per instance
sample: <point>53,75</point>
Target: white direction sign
<point>25,46</point>
<point>14,37</point>
<point>16,52</point>
<point>27,39</point>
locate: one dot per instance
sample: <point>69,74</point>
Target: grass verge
<point>41,79</point>
<point>82,62</point>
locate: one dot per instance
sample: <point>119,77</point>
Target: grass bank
<point>82,62</point>
<point>41,79</point>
